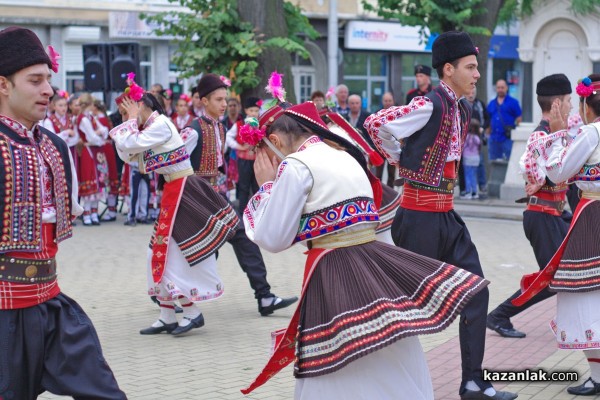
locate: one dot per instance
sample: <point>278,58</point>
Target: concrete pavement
<point>103,268</point>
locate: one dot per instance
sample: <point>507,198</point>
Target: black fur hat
<point>20,48</point>
<point>554,85</point>
<point>450,46</point>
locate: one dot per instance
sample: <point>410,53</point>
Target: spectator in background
<point>388,101</point>
<point>357,116</point>
<point>233,113</point>
<point>423,80</point>
<point>470,159</point>
<point>318,98</point>
<point>197,109</point>
<point>182,116</point>
<point>167,96</point>
<point>505,115</point>
<point>156,89</point>
<point>341,94</point>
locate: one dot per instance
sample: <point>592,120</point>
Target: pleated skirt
<point>365,297</point>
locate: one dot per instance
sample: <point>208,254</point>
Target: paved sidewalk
<point>103,268</point>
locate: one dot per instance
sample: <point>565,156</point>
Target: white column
<point>332,44</point>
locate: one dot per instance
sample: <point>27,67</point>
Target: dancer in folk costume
<point>93,166</point>
<point>543,220</point>
<point>425,139</point>
<point>246,181</point>
<point>390,199</point>
<point>194,220</point>
<point>359,295</point>
<point>182,117</point>
<point>48,343</point>
<point>60,122</point>
<point>99,111</point>
<point>574,270</point>
<point>208,161</point>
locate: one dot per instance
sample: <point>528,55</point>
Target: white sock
<point>167,314</point>
<point>489,391</point>
<point>190,311</point>
<point>593,357</point>
<point>266,301</point>
<point>471,385</point>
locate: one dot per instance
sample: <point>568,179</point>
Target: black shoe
<point>194,323</point>
<point>495,324</point>
<point>178,310</point>
<point>264,311</point>
<point>143,221</point>
<point>155,330</point>
<point>480,395</point>
<point>581,390</point>
<point>130,222</point>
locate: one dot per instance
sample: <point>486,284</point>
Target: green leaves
<point>211,36</point>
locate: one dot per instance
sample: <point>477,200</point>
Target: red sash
<point>532,284</point>
<point>285,339</point>
<point>164,227</point>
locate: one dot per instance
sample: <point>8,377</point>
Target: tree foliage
<point>433,15</point>
<point>212,37</point>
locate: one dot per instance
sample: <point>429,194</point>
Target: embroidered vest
<point>424,153</point>
<point>58,126</point>
<point>331,207</point>
<point>79,119</point>
<point>21,192</point>
<point>591,169</point>
<point>204,158</point>
<point>171,152</point>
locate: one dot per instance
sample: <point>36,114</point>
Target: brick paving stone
<point>103,268</point>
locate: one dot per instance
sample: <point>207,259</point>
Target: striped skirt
<point>365,297</point>
<point>579,267</point>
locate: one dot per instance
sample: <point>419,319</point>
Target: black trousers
<point>247,185</point>
<point>250,259</point>
<point>545,233</point>
<point>444,236</point>
<point>53,347</point>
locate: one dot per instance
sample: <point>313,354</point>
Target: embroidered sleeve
<point>565,161</point>
<point>534,158</point>
<point>128,138</point>
<point>273,214</point>
<point>389,126</point>
<point>190,138</point>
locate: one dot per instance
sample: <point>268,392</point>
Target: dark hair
<point>230,99</point>
<point>299,127</point>
<point>150,101</point>
<point>316,93</point>
<point>593,101</point>
<point>100,105</point>
<point>545,102</point>
<point>440,69</point>
<point>474,126</point>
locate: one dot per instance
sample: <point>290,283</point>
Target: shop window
<point>366,74</point>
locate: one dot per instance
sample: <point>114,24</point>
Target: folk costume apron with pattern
<point>574,271</point>
<point>194,221</point>
<point>359,295</point>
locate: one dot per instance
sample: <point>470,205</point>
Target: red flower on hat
<point>63,93</point>
<point>259,103</point>
<point>185,98</point>
<point>54,57</point>
<point>250,133</point>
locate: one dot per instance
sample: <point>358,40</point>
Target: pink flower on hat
<point>250,133</point>
<point>54,57</point>
<point>225,80</point>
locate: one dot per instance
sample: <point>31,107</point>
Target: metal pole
<point>332,44</point>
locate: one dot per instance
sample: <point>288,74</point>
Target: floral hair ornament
<point>586,88</point>
<point>185,97</point>
<point>225,80</point>
<point>63,94</point>
<point>167,94</point>
<point>251,134</point>
<point>54,57</point>
<point>134,92</point>
<point>275,88</point>
<point>329,97</point>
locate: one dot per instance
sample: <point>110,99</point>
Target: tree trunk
<point>488,20</point>
<point>268,19</point>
